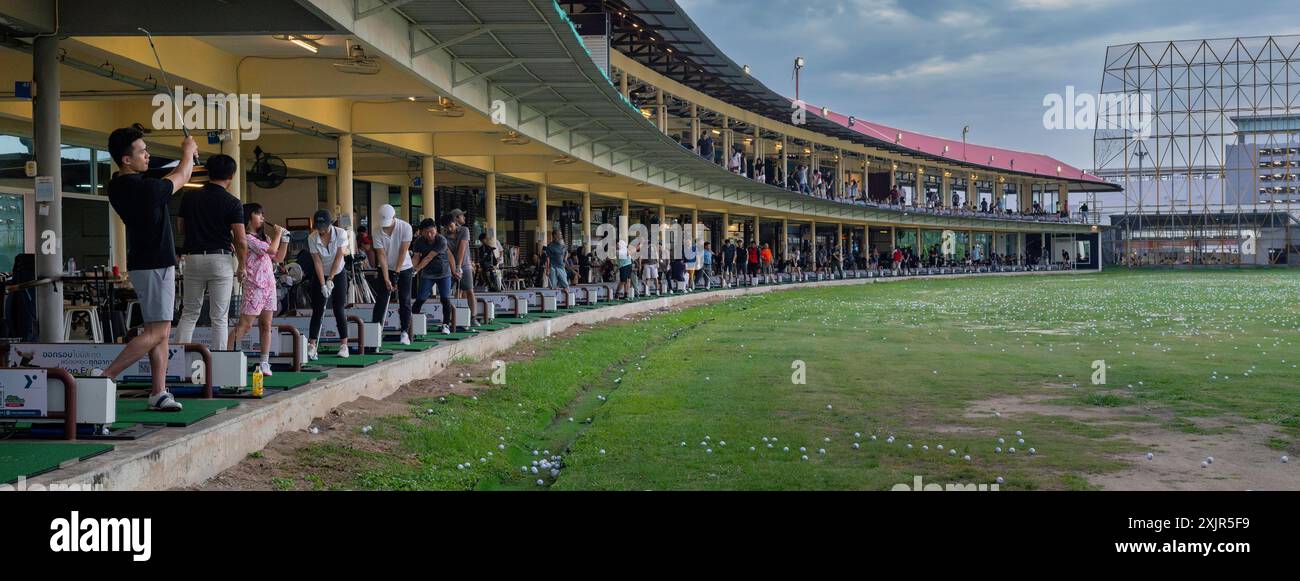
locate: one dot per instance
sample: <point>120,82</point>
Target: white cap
<point>386,215</point>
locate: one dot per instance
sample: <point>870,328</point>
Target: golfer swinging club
<point>141,202</point>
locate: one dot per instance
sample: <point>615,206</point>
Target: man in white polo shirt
<point>392,244</point>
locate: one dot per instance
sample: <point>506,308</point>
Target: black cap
<point>427,223</point>
<point>322,218</point>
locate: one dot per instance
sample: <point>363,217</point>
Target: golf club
<point>167,82</point>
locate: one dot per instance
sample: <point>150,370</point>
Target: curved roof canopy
<point>694,60</point>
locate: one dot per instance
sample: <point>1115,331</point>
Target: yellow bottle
<point>257,382</point>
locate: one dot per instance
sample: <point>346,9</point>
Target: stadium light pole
<point>798,64</point>
<point>964,131</point>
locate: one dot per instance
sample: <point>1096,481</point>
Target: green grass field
<point>1195,363</point>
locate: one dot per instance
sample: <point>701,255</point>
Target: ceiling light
<point>307,42</point>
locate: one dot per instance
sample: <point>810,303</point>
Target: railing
<point>1092,217</point>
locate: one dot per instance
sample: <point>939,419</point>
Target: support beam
<point>345,190</point>
<point>812,250</point>
<point>586,220</point>
<point>428,187</point>
<point>48,133</point>
<point>662,227</point>
<point>542,226</point>
<point>230,146</point>
<point>490,204</point>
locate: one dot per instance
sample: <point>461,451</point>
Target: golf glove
<point>327,289</point>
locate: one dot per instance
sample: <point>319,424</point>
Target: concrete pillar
<point>695,226</point>
<point>814,164</point>
<point>785,167</point>
<point>727,140</point>
<point>586,221</point>
<point>945,189</point>
<point>812,229</point>
<point>543,227</point>
<point>490,204</point>
<point>48,133</point>
<point>663,224</point>
<point>344,214</point>
<point>622,85</point>
<point>864,249</point>
<point>230,146</point>
<point>839,238</point>
<point>840,182</point>
<point>726,225</point>
<point>661,112</point>
<point>623,219</point>
<point>695,126</point>
<point>1065,202</point>
<point>758,232</point>
<point>428,187</point>
<point>785,237</point>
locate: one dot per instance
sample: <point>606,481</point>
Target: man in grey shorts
<point>460,250</point>
<point>142,203</point>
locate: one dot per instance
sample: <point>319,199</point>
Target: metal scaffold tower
<point>1204,135</point>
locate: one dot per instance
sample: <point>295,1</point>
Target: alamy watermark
<point>1111,111</point>
<point>919,485</point>
<point>211,112</point>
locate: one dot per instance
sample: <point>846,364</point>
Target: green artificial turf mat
<point>136,411</point>
<point>356,360</point>
<point>32,458</point>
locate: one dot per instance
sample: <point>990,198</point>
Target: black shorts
<point>625,273</point>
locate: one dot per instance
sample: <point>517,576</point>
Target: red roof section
<point>980,155</point>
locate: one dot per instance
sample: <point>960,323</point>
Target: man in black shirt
<point>212,221</point>
<point>433,265</point>
<point>142,204</point>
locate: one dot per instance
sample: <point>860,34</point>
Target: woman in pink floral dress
<point>258,280</point>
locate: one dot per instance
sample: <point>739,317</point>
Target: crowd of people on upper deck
<point>821,183</point>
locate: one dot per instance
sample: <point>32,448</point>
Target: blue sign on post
<point>214,137</point>
<point>23,89</point>
<point>332,163</point>
<point>417,182</point>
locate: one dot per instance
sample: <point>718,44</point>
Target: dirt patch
<point>1242,461</point>
<point>1242,457</point>
<point>1048,404</point>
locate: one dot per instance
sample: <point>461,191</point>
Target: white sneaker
<point>164,402</point>
<point>446,330</point>
<point>312,355</point>
<point>266,368</point>
<point>405,340</point>
<point>343,351</point>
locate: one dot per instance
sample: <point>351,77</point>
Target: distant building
<point>1261,166</point>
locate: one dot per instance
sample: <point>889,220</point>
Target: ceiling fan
<point>446,108</point>
<point>514,138</point>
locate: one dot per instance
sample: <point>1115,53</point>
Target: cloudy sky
<point>936,65</point>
